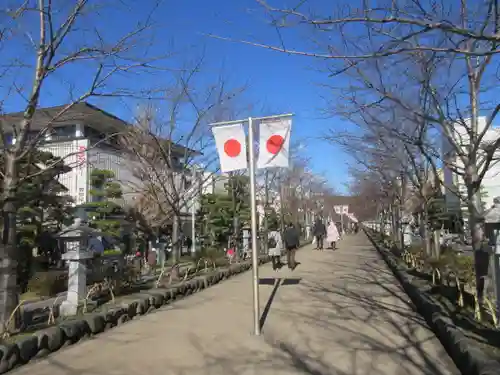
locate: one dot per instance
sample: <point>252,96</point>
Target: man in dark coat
<point>319,232</point>
<point>291,238</point>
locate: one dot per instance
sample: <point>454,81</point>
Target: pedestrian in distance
<point>275,247</point>
<point>291,237</point>
<point>332,235</point>
<point>319,232</point>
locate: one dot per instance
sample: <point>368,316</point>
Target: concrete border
<point>470,360</point>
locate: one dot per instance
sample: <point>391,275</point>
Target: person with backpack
<point>275,246</point>
<point>291,238</point>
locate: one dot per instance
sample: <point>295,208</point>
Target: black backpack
<point>271,243</point>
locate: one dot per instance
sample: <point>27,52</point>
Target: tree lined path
<point>340,312</point>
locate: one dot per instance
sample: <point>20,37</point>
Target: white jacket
<point>275,251</point>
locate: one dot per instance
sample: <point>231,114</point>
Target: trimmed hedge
<point>469,359</point>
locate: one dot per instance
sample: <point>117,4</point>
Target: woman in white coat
<point>332,235</point>
<point>275,246</point>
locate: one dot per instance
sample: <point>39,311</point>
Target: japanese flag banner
<point>274,143</point>
<point>230,141</point>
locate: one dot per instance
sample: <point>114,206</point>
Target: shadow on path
<point>277,282</point>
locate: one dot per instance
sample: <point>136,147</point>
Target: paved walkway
<point>340,312</point>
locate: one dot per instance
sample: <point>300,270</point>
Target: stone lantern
<point>75,239</point>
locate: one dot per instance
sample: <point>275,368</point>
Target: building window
<point>63,133</point>
<point>93,133</point>
<point>96,136</point>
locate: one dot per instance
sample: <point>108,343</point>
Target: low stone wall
<point>42,343</point>
<point>70,331</point>
<point>469,359</point>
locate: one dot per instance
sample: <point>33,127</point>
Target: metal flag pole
<point>253,204</point>
<point>255,254</point>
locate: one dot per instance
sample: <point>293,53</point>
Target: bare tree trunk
<point>9,290</point>
<point>399,227</point>
<point>437,246</point>
<point>394,224</point>
<point>383,220</point>
<point>176,246</point>
<point>481,258</point>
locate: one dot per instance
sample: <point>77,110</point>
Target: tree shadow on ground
<point>364,324</point>
<point>347,316</point>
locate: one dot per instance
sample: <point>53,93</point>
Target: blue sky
<point>277,82</point>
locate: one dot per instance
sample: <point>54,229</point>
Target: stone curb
<point>42,343</point>
<point>468,359</point>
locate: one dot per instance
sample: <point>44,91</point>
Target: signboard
<point>341,210</point>
<point>80,172</point>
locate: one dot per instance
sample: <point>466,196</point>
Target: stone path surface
<point>340,312</point>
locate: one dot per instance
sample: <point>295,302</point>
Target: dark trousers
<point>290,256</point>
<point>319,242</point>
<point>276,259</point>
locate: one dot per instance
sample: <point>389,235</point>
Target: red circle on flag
<point>232,148</point>
<point>274,144</point>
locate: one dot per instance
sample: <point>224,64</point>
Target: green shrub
<point>48,283</point>
<point>112,252</point>
<point>212,254</point>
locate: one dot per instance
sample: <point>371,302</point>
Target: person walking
<point>319,232</point>
<point>274,246</point>
<point>291,238</point>
<point>332,235</point>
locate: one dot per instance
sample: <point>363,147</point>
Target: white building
<point>213,183</point>
<point>82,136</point>
<point>454,184</point>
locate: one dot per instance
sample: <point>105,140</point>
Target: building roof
<point>81,112</point>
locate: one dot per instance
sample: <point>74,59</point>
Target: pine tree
<point>42,202</point>
<point>42,208</point>
<point>215,218</point>
<point>104,213</point>
<point>217,212</point>
<point>238,190</point>
<point>273,219</point>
